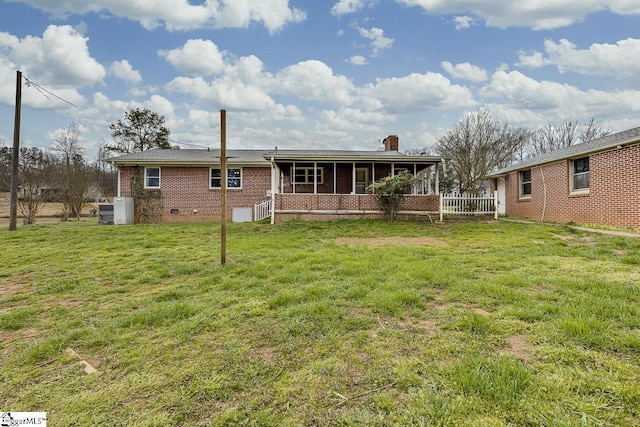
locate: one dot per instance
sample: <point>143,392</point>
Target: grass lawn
<point>347,323</point>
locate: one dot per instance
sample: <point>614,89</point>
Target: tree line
<point>64,174</point>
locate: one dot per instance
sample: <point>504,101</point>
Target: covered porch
<point>330,185</point>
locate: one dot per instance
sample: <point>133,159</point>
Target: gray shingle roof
<point>258,157</point>
<point>190,157</point>
<point>573,151</point>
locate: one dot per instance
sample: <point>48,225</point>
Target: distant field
<point>350,323</point>
<point>49,213</point>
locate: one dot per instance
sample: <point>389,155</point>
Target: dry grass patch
<point>390,241</point>
<point>518,347</point>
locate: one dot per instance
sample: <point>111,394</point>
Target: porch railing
<point>468,205</point>
<point>262,210</point>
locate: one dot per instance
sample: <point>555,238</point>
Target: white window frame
<point>573,174</point>
<point>212,187</point>
<point>308,174</point>
<point>522,184</point>
<point>146,177</point>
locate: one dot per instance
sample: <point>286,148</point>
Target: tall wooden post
<point>13,204</point>
<point>223,186</point>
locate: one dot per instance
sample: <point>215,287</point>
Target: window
<point>525,183</point>
<point>151,177</point>
<point>234,178</point>
<point>580,174</point>
<point>304,175</point>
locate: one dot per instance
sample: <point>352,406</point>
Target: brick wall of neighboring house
<point>187,188</point>
<point>613,198</point>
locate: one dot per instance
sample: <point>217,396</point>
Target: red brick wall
<point>613,198</point>
<point>343,206</point>
<point>187,188</point>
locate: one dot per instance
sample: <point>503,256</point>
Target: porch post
<point>274,184</point>
<point>315,177</point>
<point>335,178</point>
<point>293,178</point>
<point>373,173</point>
<point>353,179</point>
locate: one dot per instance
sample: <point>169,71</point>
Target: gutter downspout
<point>119,182</point>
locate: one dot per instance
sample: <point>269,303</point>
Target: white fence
<point>262,210</point>
<point>468,205</point>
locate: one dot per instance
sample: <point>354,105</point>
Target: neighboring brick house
<point>596,182</point>
<point>325,184</point>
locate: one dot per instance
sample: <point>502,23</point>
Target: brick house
<point>596,182</point>
<point>292,184</point>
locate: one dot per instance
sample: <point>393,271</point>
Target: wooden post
<point>13,204</point>
<point>495,204</point>
<point>223,186</point>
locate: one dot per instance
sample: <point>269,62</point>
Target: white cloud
<point>465,71</point>
<point>538,15</point>
<point>357,60</point>
<point>419,92</point>
<point>60,58</point>
<point>273,14</point>
<point>378,40</point>
<point>181,14</point>
<point>315,81</point>
<point>345,7</point>
<point>532,59</point>
<point>463,22</point>
<point>196,58</point>
<point>522,97</point>
<point>123,70</point>
<point>620,59</point>
<point>349,119</point>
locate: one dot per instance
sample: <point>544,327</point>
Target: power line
<point>45,92</point>
<point>187,143</point>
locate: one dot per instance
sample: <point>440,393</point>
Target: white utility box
<point>242,214</point>
<point>123,210</point>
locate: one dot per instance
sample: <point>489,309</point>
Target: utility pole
<point>223,186</point>
<point>13,206</point>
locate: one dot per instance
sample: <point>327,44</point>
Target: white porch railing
<point>262,210</point>
<point>468,205</point>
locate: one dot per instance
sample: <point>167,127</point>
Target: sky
<point>315,74</point>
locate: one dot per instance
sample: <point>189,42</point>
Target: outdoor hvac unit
<point>123,210</point>
<point>105,213</point>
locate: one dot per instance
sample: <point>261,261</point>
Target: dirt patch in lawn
<point>390,241</point>
<point>518,347</point>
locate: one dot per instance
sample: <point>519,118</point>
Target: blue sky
<point>338,74</point>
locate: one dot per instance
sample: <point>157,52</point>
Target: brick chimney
<point>391,143</point>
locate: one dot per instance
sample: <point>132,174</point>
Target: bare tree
<point>105,174</point>
<point>139,131</point>
<point>33,177</point>
<point>74,173</point>
<point>591,131</point>
<point>550,138</point>
<point>5,168</point>
<point>478,145</point>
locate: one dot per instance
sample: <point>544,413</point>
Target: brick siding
<point>187,188</point>
<point>613,198</point>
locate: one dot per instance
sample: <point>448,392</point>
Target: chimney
<point>391,143</point>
